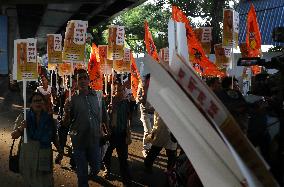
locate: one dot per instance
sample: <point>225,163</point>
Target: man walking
<point>84,114</point>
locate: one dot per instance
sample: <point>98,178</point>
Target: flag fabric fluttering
<point>253,38</point>
<point>94,69</point>
<point>135,76</point>
<point>198,57</point>
<point>149,42</point>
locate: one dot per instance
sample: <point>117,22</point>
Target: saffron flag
<point>150,45</point>
<point>197,54</point>
<point>135,77</point>
<point>253,38</point>
<point>94,69</point>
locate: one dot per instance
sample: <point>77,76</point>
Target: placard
<point>25,59</point>
<point>115,42</point>
<point>74,42</point>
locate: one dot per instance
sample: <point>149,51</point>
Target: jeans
<point>84,156</point>
<point>146,125</point>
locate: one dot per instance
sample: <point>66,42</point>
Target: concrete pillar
<point>13,32</point>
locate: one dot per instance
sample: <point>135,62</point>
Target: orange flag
<point>94,69</point>
<point>135,77</point>
<point>198,57</point>
<point>253,37</point>
<point>150,45</point>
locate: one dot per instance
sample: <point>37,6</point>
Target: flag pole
<point>105,76</point>
<point>112,77</point>
<point>25,108</point>
<point>56,81</point>
<point>51,73</point>
<point>70,82</point>
<point>233,45</point>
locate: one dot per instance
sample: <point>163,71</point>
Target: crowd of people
<point>99,123</point>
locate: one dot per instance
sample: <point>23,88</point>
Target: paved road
<point>11,105</point>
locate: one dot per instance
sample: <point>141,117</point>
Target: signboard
<point>74,42</point>
<point>204,36</point>
<point>115,42</point>
<point>25,59</point>
<point>106,65</point>
<point>230,28</point>
<point>223,56</point>
<point>54,50</point>
<point>164,55</point>
<point>121,66</point>
<point>64,69</point>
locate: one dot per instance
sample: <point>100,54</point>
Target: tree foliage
<point>158,12</point>
<point>156,15</point>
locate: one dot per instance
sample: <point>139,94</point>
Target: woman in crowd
<point>46,91</point>
<point>36,164</point>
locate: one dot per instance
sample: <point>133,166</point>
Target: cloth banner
<point>94,69</point>
<point>149,42</point>
<point>197,54</point>
<point>135,77</point>
<point>253,37</point>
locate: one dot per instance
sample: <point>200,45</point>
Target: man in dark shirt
<point>85,116</point>
<point>120,120</point>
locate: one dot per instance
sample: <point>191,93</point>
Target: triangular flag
<point>198,57</point>
<point>150,45</point>
<point>253,37</point>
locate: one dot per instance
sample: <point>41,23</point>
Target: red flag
<point>195,49</point>
<point>150,45</point>
<point>94,69</point>
<point>253,37</point>
<point>135,77</point>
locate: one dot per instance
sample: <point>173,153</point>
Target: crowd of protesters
<point>98,123</point>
